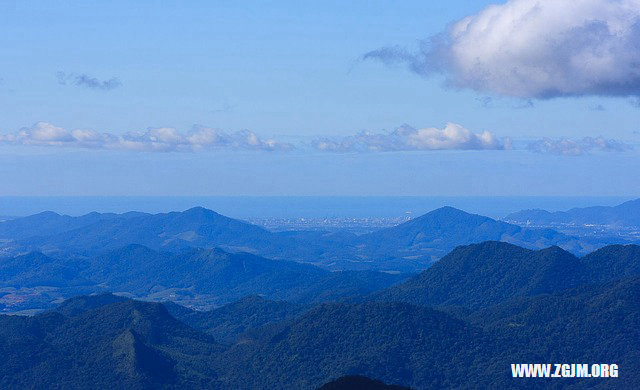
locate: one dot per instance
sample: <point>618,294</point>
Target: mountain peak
<point>199,210</point>
<point>449,215</point>
<point>448,209</point>
<point>449,212</point>
<point>47,214</point>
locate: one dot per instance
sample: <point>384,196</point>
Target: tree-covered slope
<point>393,342</point>
<point>36,269</point>
<point>488,273</point>
<point>196,277</point>
<point>105,342</point>
<point>128,345</point>
<point>590,324</point>
<point>611,262</point>
<point>228,322</point>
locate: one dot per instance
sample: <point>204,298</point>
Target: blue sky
<point>266,83</point>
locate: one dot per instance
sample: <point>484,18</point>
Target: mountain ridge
<point>410,246</point>
<point>626,214</point>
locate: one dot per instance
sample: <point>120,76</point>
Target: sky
<point>456,98</point>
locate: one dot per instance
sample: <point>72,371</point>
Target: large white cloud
<point>158,139</point>
<point>406,138</point>
<point>537,49</point>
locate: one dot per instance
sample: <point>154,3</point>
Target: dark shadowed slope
<point>133,345</point>
<point>228,322</point>
<point>590,324</point>
<point>77,305</point>
<point>394,342</point>
<point>425,348</point>
<point>611,263</point>
<point>105,342</point>
<point>357,382</point>
<point>626,214</point>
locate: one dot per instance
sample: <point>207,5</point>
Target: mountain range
<point>411,246</point>
<point>626,214</point>
<point>396,336</point>
<point>197,300</point>
<point>195,277</point>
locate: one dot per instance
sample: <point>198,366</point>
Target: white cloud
<point>569,147</point>
<point>158,139</point>
<point>406,138</point>
<point>537,49</point>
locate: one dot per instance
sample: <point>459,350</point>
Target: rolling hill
<point>492,272</point>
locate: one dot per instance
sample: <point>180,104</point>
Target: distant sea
<point>246,207</point>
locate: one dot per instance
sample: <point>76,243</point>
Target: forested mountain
<point>410,246</point>
<point>393,342</point>
<point>612,262</point>
<point>626,214</point>
<point>194,228</point>
<point>127,345</point>
<point>194,277</point>
<point>106,341</point>
<point>36,269</point>
<point>492,272</point>
<point>475,275</point>
<point>49,223</point>
<point>591,323</point>
<point>228,322</point>
<point>283,324</point>
<point>94,233</point>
